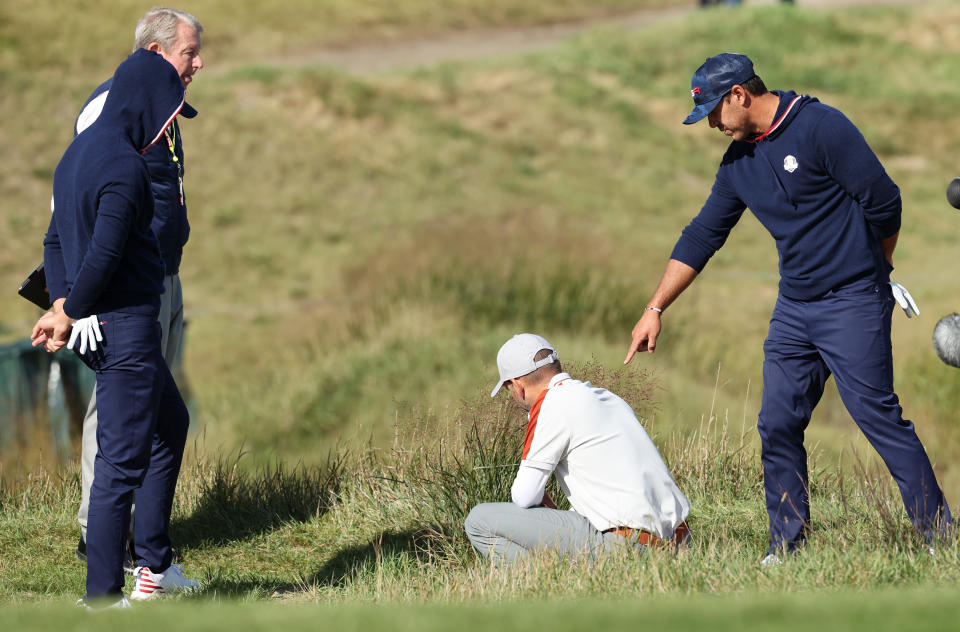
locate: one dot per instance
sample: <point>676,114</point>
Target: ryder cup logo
<point>790,164</point>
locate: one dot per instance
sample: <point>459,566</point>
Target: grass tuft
<point>220,501</point>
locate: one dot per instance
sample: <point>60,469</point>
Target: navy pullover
<point>817,187</point>
<point>169,223</point>
<point>99,251</point>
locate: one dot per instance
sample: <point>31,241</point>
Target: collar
<point>556,379</point>
<point>188,111</point>
<point>778,121</point>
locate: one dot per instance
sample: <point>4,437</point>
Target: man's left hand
<point>52,330</point>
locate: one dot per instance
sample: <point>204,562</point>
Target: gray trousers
<point>506,532</point>
<point>171,327</point>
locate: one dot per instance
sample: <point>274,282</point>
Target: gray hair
<point>946,339</point>
<point>160,25</point>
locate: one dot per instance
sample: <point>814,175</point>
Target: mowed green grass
<point>927,609</point>
<point>361,246</point>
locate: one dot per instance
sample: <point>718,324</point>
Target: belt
<point>648,539</point>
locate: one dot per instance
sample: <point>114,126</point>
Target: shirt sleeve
<point>53,265</point>
<point>849,159</point>
<point>549,439</point>
<point>709,230</point>
<point>116,214</point>
<point>529,486</point>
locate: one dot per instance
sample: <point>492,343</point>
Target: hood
<point>790,105</point>
<point>145,96</point>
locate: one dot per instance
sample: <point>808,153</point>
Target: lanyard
<point>171,135</point>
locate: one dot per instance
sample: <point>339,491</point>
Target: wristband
<point>653,309</point>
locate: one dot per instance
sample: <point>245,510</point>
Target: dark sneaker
<point>130,559</point>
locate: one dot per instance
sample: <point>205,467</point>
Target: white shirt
<point>603,459</point>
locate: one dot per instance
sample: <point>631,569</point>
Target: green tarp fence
<point>46,394</point>
<point>42,392</point>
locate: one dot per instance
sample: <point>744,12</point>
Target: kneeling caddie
<point>620,490</point>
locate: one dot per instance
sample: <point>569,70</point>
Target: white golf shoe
<point>150,585</point>
<point>771,561</point>
<point>121,603</point>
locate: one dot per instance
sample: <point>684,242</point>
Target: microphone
<point>946,339</point>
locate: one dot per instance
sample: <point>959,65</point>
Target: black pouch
<point>34,288</point>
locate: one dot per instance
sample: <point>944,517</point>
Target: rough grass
<point>362,246</point>
<point>386,525</point>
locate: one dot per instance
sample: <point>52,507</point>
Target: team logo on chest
<point>790,164</point>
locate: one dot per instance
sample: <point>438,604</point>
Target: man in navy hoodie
<point>809,176</point>
<point>105,273</point>
<point>176,36</point>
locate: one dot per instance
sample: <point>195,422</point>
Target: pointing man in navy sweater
<point>105,273</point>
<point>810,178</point>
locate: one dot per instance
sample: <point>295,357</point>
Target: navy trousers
<point>140,439</point>
<point>846,333</point>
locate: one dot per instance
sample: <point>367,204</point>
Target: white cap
<point>515,358</point>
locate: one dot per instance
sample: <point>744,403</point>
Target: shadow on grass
<point>220,587</point>
<point>228,503</point>
<point>346,564</point>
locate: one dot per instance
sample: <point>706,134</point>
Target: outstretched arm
<point>676,278</point>
<point>698,242</point>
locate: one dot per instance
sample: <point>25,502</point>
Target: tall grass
<point>219,502</point>
<point>387,523</point>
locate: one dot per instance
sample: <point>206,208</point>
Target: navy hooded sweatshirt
<point>170,223</point>
<point>817,187</point>
<point>99,251</point>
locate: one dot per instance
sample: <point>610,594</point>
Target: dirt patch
<point>484,44</point>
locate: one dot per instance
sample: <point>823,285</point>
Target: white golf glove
<point>87,330</point>
<point>906,301</point>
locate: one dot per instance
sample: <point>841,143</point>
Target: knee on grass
<point>478,522</point>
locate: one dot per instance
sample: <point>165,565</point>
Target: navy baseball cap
<point>713,81</point>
